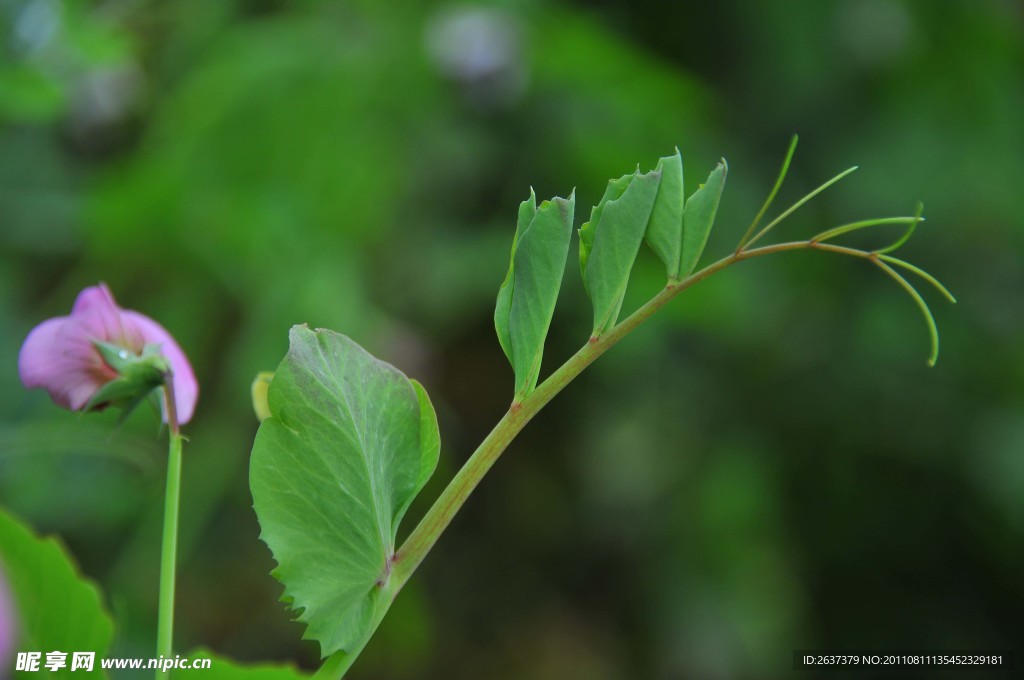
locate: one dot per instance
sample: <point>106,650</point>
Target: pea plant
<point>346,441</point>
<point>350,441</point>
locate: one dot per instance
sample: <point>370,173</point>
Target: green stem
<point>426,534</point>
<point>439,516</point>
<point>169,549</point>
<point>338,663</point>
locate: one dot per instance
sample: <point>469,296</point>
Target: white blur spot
<point>36,25</point>
<point>481,49</point>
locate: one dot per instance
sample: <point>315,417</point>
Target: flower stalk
<point>169,545</point>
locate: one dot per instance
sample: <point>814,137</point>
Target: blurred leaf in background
<point>769,465</point>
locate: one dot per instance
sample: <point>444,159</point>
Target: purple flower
<point>61,356</point>
<point>7,626</point>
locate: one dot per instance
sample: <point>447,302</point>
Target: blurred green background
<point>767,465</point>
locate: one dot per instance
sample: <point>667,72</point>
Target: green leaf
<point>665,229</point>
<point>699,217</point>
<point>222,668</point>
<point>526,300</point>
<point>613,192</point>
<point>349,443</point>
<point>610,241</point>
<point>503,310</point>
<point>57,609</point>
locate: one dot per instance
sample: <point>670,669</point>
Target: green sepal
<point>123,361</point>
<point>526,299</point>
<point>699,217</point>
<point>610,241</point>
<point>137,377</point>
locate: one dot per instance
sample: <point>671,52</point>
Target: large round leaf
<point>349,443</point>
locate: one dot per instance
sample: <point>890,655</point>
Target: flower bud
<point>260,392</point>
<point>101,355</point>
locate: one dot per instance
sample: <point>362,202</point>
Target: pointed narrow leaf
<point>349,443</point>
<point>665,229</point>
<point>699,217</point>
<point>502,311</point>
<point>609,243</point>
<point>57,609</point>
<point>612,192</point>
<point>526,300</point>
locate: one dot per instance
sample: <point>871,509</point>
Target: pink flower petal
<point>186,387</point>
<point>97,310</point>
<point>59,358</point>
